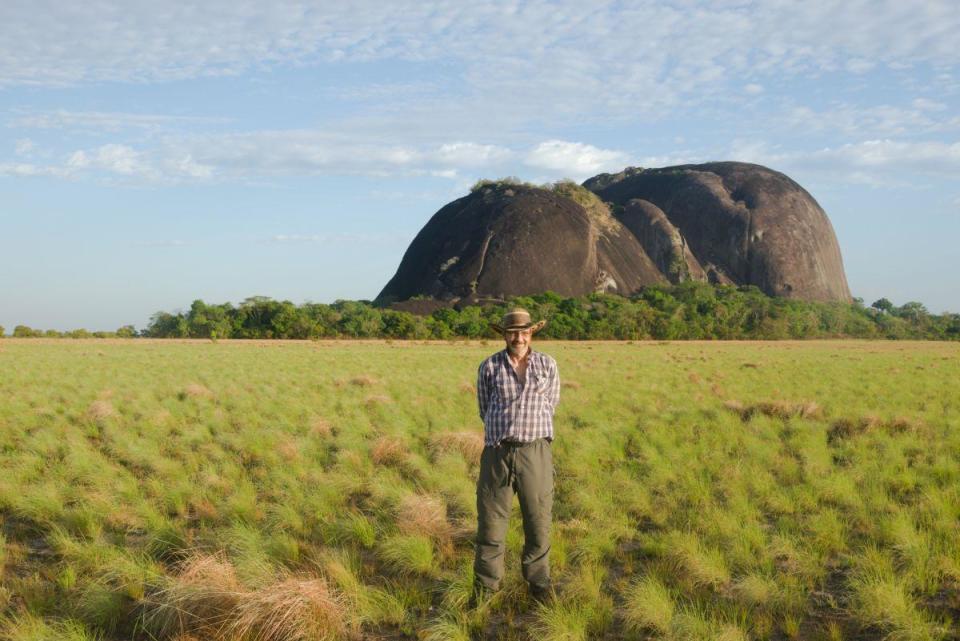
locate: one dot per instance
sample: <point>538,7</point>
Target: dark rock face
<point>731,223</point>
<point>509,240</point>
<point>742,224</point>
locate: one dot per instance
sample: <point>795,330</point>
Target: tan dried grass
<point>775,409</point>
<point>206,601</point>
<point>320,427</point>
<point>377,399</point>
<point>388,450</point>
<point>363,381</point>
<point>199,601</point>
<point>903,424</point>
<point>289,451</point>
<point>196,390</point>
<point>424,514</point>
<point>846,427</point>
<point>468,444</point>
<point>101,410</point>
<point>294,609</point>
<point>204,509</point>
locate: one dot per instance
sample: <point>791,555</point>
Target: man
<point>517,390</point>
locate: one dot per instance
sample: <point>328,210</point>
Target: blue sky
<point>154,153</point>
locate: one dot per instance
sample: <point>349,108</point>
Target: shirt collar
<point>530,355</point>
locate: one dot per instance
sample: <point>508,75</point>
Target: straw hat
<point>517,319</point>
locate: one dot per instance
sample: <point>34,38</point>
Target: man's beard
<point>518,350</point>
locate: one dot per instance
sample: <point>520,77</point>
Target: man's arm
<point>483,391</point>
<point>553,389</point>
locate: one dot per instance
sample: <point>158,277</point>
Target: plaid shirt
<point>513,411</point>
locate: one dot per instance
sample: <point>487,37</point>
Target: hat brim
<point>536,327</point>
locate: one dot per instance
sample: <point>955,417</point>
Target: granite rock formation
<point>725,222</point>
<point>744,224</point>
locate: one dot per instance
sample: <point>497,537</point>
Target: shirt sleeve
<point>483,390</point>
<point>553,389</point>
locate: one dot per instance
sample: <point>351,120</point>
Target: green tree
<point>23,331</point>
<point>165,325</point>
<point>127,331</point>
<point>358,319</point>
<point>398,324</point>
<point>912,311</point>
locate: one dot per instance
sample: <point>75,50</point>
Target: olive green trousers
<point>527,469</point>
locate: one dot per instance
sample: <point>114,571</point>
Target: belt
<point>516,443</point>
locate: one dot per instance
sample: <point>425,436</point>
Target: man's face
<point>518,341</point>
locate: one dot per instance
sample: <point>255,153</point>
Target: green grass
<point>176,490</point>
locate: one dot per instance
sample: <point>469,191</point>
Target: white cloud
<point>23,147</point>
<point>877,163</point>
<point>469,155</point>
<point>101,121</point>
<point>113,158</point>
<point>537,53</point>
<point>366,239</point>
<point>925,104</point>
<point>753,89</point>
<point>884,120</point>
<point>26,170</point>
<point>266,154</point>
<point>859,65</point>
<point>574,159</point>
<point>925,157</point>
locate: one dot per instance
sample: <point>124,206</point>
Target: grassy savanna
<point>323,490</point>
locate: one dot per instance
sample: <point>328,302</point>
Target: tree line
<point>689,310</point>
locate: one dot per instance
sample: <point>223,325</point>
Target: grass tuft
<point>363,381</point>
<point>775,409</point>
<point>649,605</point>
<point>293,609</point>
<point>195,390</point>
<point>467,444</point>
<point>320,428</point>
<point>408,554</point>
<point>423,514</point>
<point>388,450</point>
<point>101,410</point>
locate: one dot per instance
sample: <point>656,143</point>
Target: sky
<point>155,153</point>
